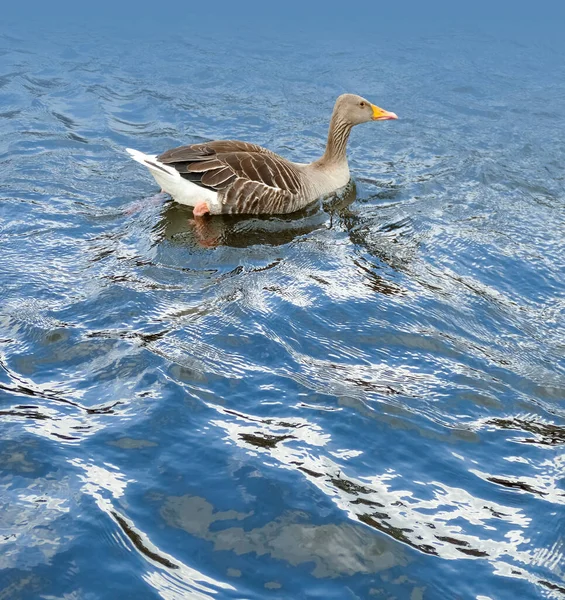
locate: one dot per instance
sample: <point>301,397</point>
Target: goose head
<point>353,110</point>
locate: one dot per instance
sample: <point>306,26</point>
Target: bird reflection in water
<point>178,225</point>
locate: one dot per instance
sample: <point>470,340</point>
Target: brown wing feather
<point>269,169</point>
<point>219,178</point>
<point>199,151</point>
<point>253,197</point>
<point>217,164</point>
<point>202,166</point>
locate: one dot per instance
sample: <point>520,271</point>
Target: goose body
<point>229,177</point>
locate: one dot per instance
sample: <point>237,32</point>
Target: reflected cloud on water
<point>432,517</point>
<point>335,550</point>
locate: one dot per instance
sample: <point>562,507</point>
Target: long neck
<point>337,140</point>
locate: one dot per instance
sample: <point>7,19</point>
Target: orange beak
<point>380,114</point>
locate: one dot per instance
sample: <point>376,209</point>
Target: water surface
<point>361,400</point>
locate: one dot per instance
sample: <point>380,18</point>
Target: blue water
<point>362,400</point>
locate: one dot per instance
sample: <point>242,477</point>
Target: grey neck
<point>337,141</point>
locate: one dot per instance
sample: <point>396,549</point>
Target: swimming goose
<point>229,177</point>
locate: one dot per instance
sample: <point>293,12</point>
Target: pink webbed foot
<point>201,209</point>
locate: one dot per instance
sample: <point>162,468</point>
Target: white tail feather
<point>170,180</point>
<point>152,163</point>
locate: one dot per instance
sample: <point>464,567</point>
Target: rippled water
<point>361,400</point>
